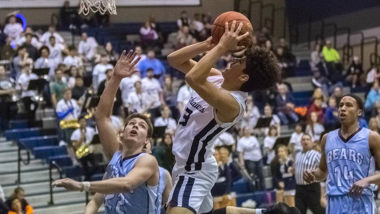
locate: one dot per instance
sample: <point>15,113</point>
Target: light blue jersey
<point>348,161</point>
<point>143,199</point>
<point>161,187</point>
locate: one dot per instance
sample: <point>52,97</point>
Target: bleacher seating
<point>45,152</point>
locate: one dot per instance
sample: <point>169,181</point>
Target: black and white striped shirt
<point>306,161</point>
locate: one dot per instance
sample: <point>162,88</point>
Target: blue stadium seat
<point>45,152</point>
<point>97,177</point>
<point>61,160</point>
<point>15,134</point>
<point>18,124</point>
<point>240,187</point>
<point>33,142</point>
<point>74,172</point>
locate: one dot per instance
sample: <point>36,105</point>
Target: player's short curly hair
<point>262,69</point>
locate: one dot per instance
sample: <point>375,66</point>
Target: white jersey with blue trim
<point>143,199</point>
<point>348,161</point>
<point>199,127</point>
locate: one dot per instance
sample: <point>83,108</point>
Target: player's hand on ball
<point>308,176</point>
<point>68,184</point>
<point>359,186</point>
<point>231,37</point>
<point>209,43</point>
<point>125,65</point>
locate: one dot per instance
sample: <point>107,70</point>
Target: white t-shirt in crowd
<point>46,37</point>
<point>138,103</point>
<point>64,106</point>
<point>117,123</point>
<point>56,53</point>
<point>169,122</point>
<point>184,94</point>
<point>152,87</point>
<point>90,132</point>
<point>142,57</point>
<point>72,61</point>
<point>127,86</point>
<point>13,31</point>
<point>225,139</point>
<point>318,130</point>
<point>100,71</point>
<point>275,121</point>
<point>23,82</point>
<point>34,42</point>
<point>251,116</point>
<point>269,142</point>
<point>250,147</point>
<point>296,140</point>
<point>198,25</point>
<point>88,47</point>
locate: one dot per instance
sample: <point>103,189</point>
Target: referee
<point>307,195</point>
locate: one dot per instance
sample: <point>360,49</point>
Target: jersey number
<point>186,117</point>
<point>346,175</point>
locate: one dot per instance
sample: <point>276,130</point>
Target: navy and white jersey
<point>143,199</point>
<point>198,128</point>
<point>348,161</point>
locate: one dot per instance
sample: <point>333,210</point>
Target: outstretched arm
<point>319,174</point>
<point>94,205</point>
<point>107,134</point>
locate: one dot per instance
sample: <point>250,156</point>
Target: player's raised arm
<point>319,174</point>
<point>107,134</point>
<point>182,58</point>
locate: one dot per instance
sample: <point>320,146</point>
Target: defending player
<point>131,184</point>
<point>347,162</point>
<point>217,103</point>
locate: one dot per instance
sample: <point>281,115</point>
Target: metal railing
<point>53,165</point>
<point>26,161</point>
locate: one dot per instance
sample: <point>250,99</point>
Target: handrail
<point>52,165</point>
<point>333,24</point>
<point>348,30</point>
<point>361,44</point>
<point>348,51</point>
<point>310,31</point>
<point>375,60</point>
<point>21,146</point>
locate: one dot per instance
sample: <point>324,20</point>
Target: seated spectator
<point>7,51</point>
<point>318,94</point>
<point>355,72</point>
<point>166,120</point>
<point>332,59</point>
<point>170,96</point>
<point>183,97</point>
<point>44,61</point>
<point>112,56</point>
<point>68,15</point>
<point>13,30</point>
<point>118,100</point>
<point>34,39</point>
<point>225,140</point>
<point>251,114</point>
<point>184,38</point>
<point>184,20</point>
<point>81,137</point>
<point>72,59</point>
<point>45,38</point>
<point>126,87</point>
<point>317,108</point>
<point>374,125</point>
<point>268,45</point>
<point>372,97</point>
<point>71,75</point>
<point>138,101</point>
<point>207,21</point>
<point>57,88</point>
<point>284,45</point>
<point>27,96</point>
<point>19,61</point>
<point>78,90</point>
<point>55,51</point>
<point>17,202</point>
<point>320,81</point>
<point>8,108</point>
<point>286,61</point>
<point>268,112</point>
<point>283,176</point>
<point>250,156</point>
<point>295,140</point>
<point>153,88</point>
<point>149,36</point>
<point>373,74</point>
<point>198,27</point>
<point>163,152</point>
<point>337,94</point>
<point>139,53</point>
<point>262,36</point>
<point>331,116</point>
<point>269,142</point>
<point>30,49</point>
<point>314,129</point>
<point>315,57</point>
<point>99,72</point>
<point>285,105</point>
<point>87,47</point>
<point>152,63</point>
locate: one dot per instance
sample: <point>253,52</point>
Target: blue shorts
<point>346,204</point>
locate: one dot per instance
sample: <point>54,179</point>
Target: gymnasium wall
<point>42,16</point>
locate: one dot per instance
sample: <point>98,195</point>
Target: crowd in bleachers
<point>70,78</point>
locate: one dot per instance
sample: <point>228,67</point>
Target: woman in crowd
<point>17,202</point>
<point>163,152</point>
<point>73,73</point>
<point>314,129</point>
<point>170,96</point>
<point>269,142</point>
<point>331,116</point>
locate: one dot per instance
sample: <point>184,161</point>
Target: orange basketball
<point>217,30</point>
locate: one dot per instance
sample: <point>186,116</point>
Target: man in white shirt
<point>183,97</point>
<point>139,53</point>
<point>35,42</point>
<point>45,38</point>
<point>72,59</point>
<point>13,30</point>
<point>126,87</point>
<point>295,140</point>
<point>26,95</point>
<point>166,120</point>
<point>67,108</point>
<point>153,88</point>
<point>87,47</point>
<point>138,101</point>
<point>55,51</point>
<point>99,73</point>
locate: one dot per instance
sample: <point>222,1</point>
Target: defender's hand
<point>68,184</point>
<point>358,187</point>
<point>125,65</point>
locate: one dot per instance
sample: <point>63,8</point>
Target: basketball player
<point>217,103</point>
<point>131,179</point>
<point>347,162</point>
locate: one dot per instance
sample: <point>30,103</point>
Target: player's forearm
<point>185,54</point>
<point>94,205</point>
<point>320,175</point>
<point>199,73</point>
<point>111,186</point>
<point>106,102</point>
<point>374,179</point>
